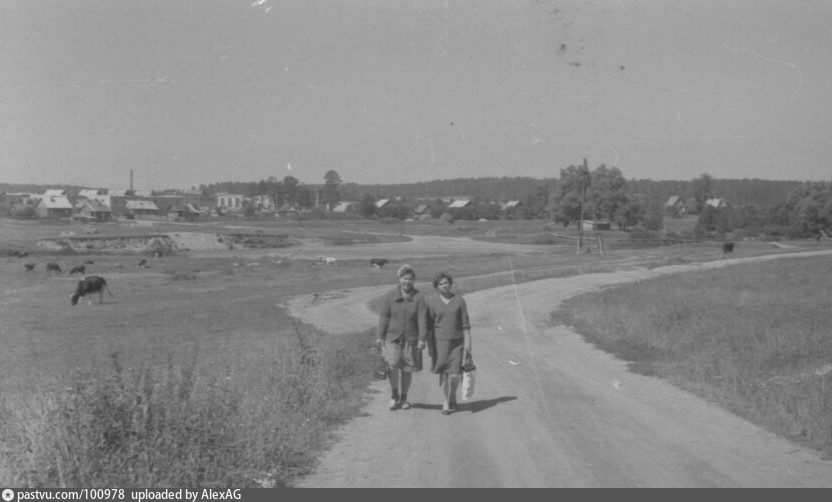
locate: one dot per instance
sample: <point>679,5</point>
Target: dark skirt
<point>448,358</point>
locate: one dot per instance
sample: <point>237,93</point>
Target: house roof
<point>141,204</point>
<point>55,202</point>
<point>512,203</point>
<point>342,207</point>
<point>673,200</point>
<point>715,202</point>
<point>382,202</point>
<point>53,192</point>
<point>96,206</point>
<point>458,204</point>
<point>421,208</point>
<point>117,192</point>
<point>87,193</point>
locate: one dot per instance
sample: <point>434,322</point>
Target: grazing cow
<point>53,267</point>
<point>21,254</point>
<point>29,266</point>
<point>327,260</point>
<point>157,254</point>
<point>143,262</point>
<point>78,269</point>
<point>378,262</point>
<point>89,285</point>
<point>88,262</point>
<point>727,247</point>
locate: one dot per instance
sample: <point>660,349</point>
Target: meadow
<point>194,374</point>
<point>753,338</point>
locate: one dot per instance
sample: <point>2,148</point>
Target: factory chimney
<point>131,180</point>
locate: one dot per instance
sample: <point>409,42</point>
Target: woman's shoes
<point>394,404</point>
<point>405,405</point>
<point>446,412</point>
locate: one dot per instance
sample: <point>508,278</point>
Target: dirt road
<point>549,410</point>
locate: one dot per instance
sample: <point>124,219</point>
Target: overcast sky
<point>190,92</point>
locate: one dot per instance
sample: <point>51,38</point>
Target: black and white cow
<point>78,269</point>
<point>727,247</point>
<point>53,267</point>
<point>88,262</point>
<point>89,285</point>
<point>29,266</point>
<point>21,254</point>
<point>378,262</point>
<point>143,263</point>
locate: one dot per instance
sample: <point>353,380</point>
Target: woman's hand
<point>420,345</point>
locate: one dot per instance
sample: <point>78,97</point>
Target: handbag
<point>379,364</point>
<point>468,378</point>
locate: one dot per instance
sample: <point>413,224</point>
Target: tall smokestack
<point>131,180</point>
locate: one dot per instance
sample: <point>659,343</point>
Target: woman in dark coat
<point>451,337</point>
<point>402,328</point>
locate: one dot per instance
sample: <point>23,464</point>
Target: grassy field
<point>753,338</point>
<point>194,374</point>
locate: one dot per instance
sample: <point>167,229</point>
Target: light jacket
<point>401,319</point>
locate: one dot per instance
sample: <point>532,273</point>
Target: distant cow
<point>29,266</point>
<point>89,285</point>
<point>727,247</point>
<point>88,262</point>
<point>143,262</point>
<point>53,267</point>
<point>157,254</point>
<point>78,269</point>
<point>378,262</point>
<point>21,254</point>
<point>327,260</point>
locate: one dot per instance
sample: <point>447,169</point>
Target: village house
<point>93,210</point>
<point>716,203</point>
<point>422,212</point>
<point>347,208</point>
<point>230,202</point>
<point>54,206</point>
<point>676,205</point>
<point>138,207</point>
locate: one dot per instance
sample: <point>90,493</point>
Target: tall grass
<point>176,426</point>
<point>754,338</point>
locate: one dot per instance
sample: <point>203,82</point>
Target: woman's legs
<point>453,383</point>
<point>405,379</point>
<point>393,378</point>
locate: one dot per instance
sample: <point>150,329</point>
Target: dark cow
<point>89,285</point>
<point>78,269</point>
<point>143,262</point>
<point>88,262</point>
<point>53,267</point>
<point>727,247</point>
<point>29,266</point>
<point>378,262</point>
<point>21,254</point>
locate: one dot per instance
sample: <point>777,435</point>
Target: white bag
<point>468,378</point>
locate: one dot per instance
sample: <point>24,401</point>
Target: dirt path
<point>550,410</point>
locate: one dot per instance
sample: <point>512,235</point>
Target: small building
<point>54,192</point>
<point>716,203</point>
<point>346,208</point>
<point>382,202</point>
<point>230,201</point>
<point>136,207</point>
<point>597,225</point>
<point>459,204</point>
<point>675,204</point>
<point>54,206</point>
<point>93,210</point>
<point>422,212</point>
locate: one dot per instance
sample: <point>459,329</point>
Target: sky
<point>384,91</point>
